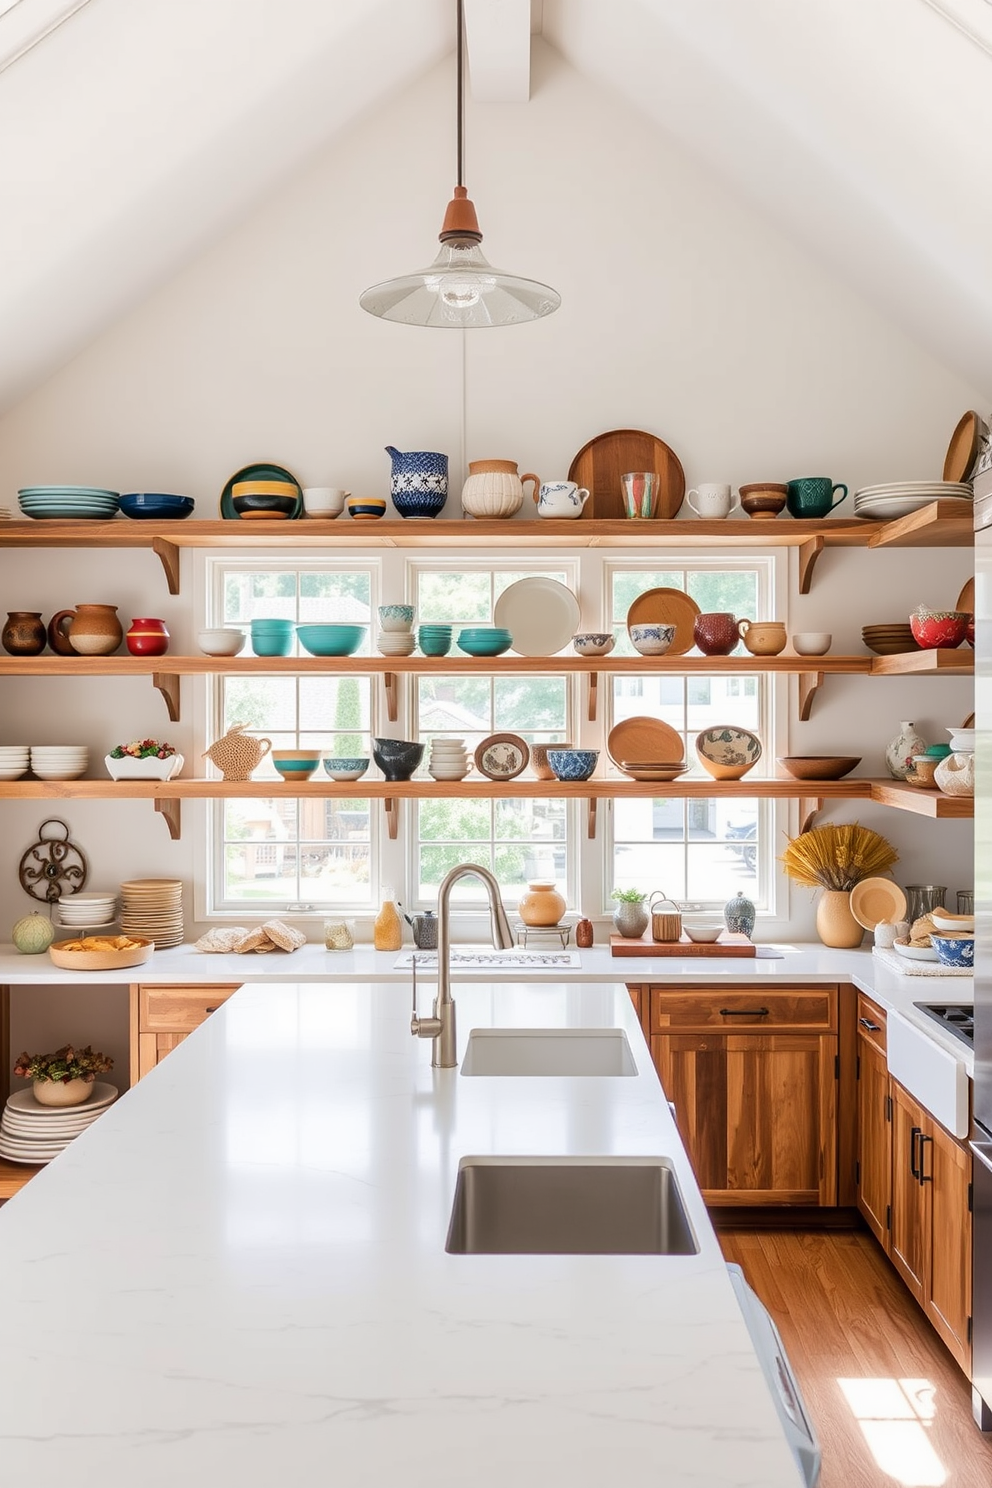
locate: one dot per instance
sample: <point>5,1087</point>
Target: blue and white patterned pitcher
<point>419,484</point>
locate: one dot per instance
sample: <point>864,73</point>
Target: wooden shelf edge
<point>13,1177</point>
<point>942,524</point>
<point>921,802</point>
<point>191,666</point>
<point>957,663</point>
<point>783,788</point>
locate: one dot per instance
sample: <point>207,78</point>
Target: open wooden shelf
<point>930,803</point>
<point>942,524</point>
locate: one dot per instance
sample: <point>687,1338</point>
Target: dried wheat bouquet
<point>837,856</point>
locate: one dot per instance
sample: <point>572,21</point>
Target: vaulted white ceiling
<point>134,133</point>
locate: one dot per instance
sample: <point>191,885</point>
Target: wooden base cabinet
<point>914,1190</point>
<point>753,1078</point>
<point>161,1017</point>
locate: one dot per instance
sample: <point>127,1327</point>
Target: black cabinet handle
<point>211,1010</point>
<point>744,1012</point>
<point>871,1027</point>
<point>924,1177</point>
<point>917,1131</point>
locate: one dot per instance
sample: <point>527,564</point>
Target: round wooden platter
<point>969,432</point>
<point>644,739</point>
<point>599,465</point>
<point>667,607</point>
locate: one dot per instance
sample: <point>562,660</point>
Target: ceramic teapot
<point>236,753</point>
<point>494,490</point>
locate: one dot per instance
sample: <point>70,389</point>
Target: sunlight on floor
<point>893,1416</point>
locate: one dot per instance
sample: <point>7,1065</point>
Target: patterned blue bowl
<point>573,764</point>
<point>954,950</point>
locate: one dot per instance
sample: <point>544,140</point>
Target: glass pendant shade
<point>460,289</point>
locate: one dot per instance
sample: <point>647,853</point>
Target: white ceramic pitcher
<point>561,499</point>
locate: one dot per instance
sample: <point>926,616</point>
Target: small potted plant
<point>630,918</point>
<point>64,1078</point>
<point>143,759</point>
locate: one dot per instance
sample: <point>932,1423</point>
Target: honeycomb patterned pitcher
<point>236,754</point>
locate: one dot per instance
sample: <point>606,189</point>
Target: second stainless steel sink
<point>568,1206</point>
<point>548,1051</point>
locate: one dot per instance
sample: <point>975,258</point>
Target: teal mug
<point>813,496</point>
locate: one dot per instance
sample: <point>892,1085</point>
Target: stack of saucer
<point>13,761</point>
<point>449,760</point>
<point>152,908</point>
<point>396,642</point>
<point>87,911</point>
<point>59,761</point>
<point>34,1134</point>
<point>889,640</point>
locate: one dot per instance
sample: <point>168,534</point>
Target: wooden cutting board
<point>728,945</point>
<point>599,465</point>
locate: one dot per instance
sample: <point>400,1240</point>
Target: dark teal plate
<point>258,472</point>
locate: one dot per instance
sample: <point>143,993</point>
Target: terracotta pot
<point>24,633</point>
<point>835,924</point>
<point>763,638</point>
<point>147,638</point>
<point>584,934</point>
<point>494,490</point>
<point>542,904</point>
<point>90,629</point>
<point>715,633</point>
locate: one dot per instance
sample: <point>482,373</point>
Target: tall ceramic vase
<point>835,924</point>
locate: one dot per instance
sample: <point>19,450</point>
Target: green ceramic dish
<point>258,472</point>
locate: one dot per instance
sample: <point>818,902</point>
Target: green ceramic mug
<point>813,496</point>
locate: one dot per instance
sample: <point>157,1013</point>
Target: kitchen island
<point>238,1275</point>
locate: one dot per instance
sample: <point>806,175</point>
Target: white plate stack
<point>14,760</point>
<point>59,761</point>
<point>86,911</point>
<point>34,1134</point>
<point>396,642</point>
<point>902,498</point>
<point>449,760</point>
<point>153,908</point>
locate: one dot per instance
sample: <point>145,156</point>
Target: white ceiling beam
<point>497,35</point>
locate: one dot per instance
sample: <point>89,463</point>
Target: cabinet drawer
<point>871,1023</point>
<point>740,1009</point>
<point>178,1009</point>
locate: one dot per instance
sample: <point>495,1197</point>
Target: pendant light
<point>460,288</point>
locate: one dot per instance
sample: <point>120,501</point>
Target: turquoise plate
<point>258,472</point>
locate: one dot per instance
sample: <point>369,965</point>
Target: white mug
<point>715,501</point>
<point>561,499</point>
<point>324,501</point>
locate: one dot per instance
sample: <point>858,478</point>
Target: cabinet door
<point>946,1168</point>
<point>874,1140</point>
<point>757,1113</point>
<point>910,1239</point>
<point>153,1047</point>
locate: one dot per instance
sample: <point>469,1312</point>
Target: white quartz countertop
<point>796,964</point>
<point>238,1275</point>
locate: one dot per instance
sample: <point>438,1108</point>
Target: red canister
<point>147,638</point>
<point>715,633</point>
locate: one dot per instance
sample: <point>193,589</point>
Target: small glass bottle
<point>387,931</point>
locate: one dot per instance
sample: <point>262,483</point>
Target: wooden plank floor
<point>903,1415</point>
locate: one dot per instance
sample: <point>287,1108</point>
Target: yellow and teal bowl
<point>296,764</point>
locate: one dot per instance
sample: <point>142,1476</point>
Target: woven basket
<point>236,754</point>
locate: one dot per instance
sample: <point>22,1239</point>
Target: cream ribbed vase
<point>835,924</point>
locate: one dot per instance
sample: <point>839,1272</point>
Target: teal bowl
<point>434,645</point>
<point>331,640</point>
<point>476,645</point>
<point>271,643</point>
<point>284,625</point>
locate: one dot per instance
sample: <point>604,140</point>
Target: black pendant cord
<point>460,93</point>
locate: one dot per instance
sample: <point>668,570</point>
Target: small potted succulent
<point>64,1078</point>
<point>630,918</point>
<point>143,759</point>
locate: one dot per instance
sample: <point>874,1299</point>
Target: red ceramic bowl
<point>939,627</point>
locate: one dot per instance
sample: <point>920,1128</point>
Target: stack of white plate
<point>34,1134</point>
<point>153,908</point>
<point>13,761</point>
<point>396,642</point>
<point>87,911</point>
<point>901,498</point>
<point>59,761</point>
<point>449,760</point>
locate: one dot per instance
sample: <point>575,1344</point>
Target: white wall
<point>682,313</point>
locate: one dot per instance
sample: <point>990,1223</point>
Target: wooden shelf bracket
<point>172,809</point>
<point>809,552</point>
<point>391,683</point>
<point>593,695</point>
<point>167,684</point>
<point>168,555</point>
<point>809,685</point>
<point>591,806</point>
<point>392,808</point>
<point>809,809</point>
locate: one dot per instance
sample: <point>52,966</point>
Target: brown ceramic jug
<point>88,630</point>
<point>24,633</point>
<point>715,633</point>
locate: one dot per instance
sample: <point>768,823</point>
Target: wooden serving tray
<point>727,945</point>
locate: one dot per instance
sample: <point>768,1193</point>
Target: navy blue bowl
<point>157,504</point>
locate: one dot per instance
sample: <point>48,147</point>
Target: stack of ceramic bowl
<point>902,498</point>
<point>484,640</point>
<point>434,640</point>
<point>396,636</point>
<point>152,908</point>
<point>59,761</point>
<point>87,911</point>
<point>32,1133</point>
<point>449,759</point>
<point>68,502</point>
<point>889,640</point>
<point>14,759</point>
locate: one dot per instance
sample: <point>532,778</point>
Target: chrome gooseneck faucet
<point>441,1027</point>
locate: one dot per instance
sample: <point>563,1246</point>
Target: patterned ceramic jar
<point>419,483</point>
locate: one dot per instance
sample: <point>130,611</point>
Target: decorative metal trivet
<point>543,934</point>
<point>53,866</point>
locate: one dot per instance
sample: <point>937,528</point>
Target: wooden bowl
<point>727,752</point>
<point>135,955</point>
<point>818,766</point>
<point>763,501</point>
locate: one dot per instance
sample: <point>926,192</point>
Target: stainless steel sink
<point>568,1206</point>
<point>548,1051</point>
